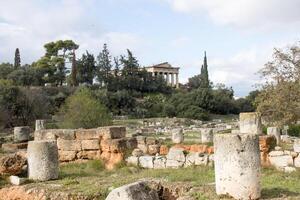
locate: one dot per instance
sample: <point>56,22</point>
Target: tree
<point>83,110</point>
<point>86,68</point>
<point>17,59</point>
<point>204,80</point>
<point>74,70</point>
<point>279,99</point>
<point>53,62</point>
<point>104,65</point>
<point>130,74</point>
<point>5,70</point>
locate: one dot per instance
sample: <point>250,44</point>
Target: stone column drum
<point>177,136</point>
<point>250,123</point>
<point>39,125</point>
<point>42,160</point>
<point>21,134</point>
<point>207,135</point>
<point>237,165</point>
<point>275,131</point>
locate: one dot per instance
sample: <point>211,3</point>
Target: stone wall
<point>106,143</point>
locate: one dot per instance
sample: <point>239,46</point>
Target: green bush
<point>82,110</point>
<point>294,130</point>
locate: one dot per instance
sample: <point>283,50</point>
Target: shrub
<point>82,110</point>
<point>294,130</point>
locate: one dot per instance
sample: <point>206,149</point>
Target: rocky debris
<point>175,158</point>
<point>12,164</point>
<point>138,190</point>
<point>289,169</point>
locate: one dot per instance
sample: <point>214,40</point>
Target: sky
<point>238,35</point>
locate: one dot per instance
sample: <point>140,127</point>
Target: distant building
<point>167,71</point>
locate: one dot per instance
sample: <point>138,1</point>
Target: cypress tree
<point>74,70</point>
<point>204,74</point>
<point>17,59</point>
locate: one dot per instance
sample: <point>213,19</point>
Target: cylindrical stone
<point>237,165</point>
<point>207,135</point>
<point>42,160</point>
<point>275,131</point>
<point>21,134</point>
<point>250,123</point>
<point>177,136</point>
<point>39,125</point>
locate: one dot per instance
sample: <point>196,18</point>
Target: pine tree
<point>204,82</point>
<point>74,70</point>
<point>86,68</point>
<point>104,65</point>
<point>17,59</point>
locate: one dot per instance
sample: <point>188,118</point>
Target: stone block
<point>90,155</point>
<point>153,149</point>
<point>289,169</point>
<point>137,153</point>
<point>112,132</point>
<point>196,159</point>
<point>250,123</point>
<point>90,144</point>
<point>143,147</point>
<point>21,134</point>
<point>46,134</point>
<point>69,145</point>
<point>199,148</point>
<point>164,150</point>
<point>207,135</point>
<point>146,162</point>
<point>134,191</point>
<point>15,180</point>
<point>132,160</point>
<point>267,143</point>
<point>177,136</point>
<point>281,161</point>
<point>159,162</point>
<point>42,160</point>
<point>297,161</point>
<point>66,156</point>
<point>237,165</point>
<point>141,139</point>
<point>39,125</point>
<point>182,146</point>
<point>175,158</point>
<point>131,143</point>
<point>87,134</point>
<point>151,141</point>
<point>297,145</point>
<point>274,131</point>
<point>14,147</point>
<point>66,134</point>
<point>113,145</point>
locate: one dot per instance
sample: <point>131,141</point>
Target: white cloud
<point>242,13</point>
<point>34,23</point>
<point>180,42</point>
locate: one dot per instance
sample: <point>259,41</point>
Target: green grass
<point>91,179</point>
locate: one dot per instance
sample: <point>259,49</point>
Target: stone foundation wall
<point>106,143</point>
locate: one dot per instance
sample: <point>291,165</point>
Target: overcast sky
<point>238,35</point>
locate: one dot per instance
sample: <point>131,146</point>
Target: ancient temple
<point>167,71</point>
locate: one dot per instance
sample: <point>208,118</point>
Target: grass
<point>92,180</point>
